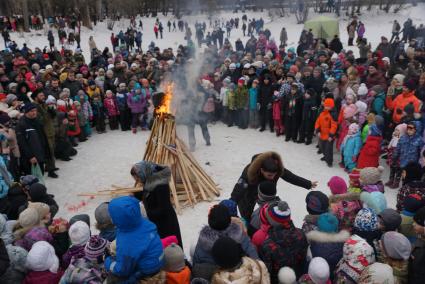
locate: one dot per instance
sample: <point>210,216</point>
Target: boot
<point>390,182</point>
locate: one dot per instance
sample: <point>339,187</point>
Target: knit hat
<point>399,78</point>
<point>361,106</point>
<point>28,180</point>
<point>362,90</point>
<point>354,178</point>
<point>366,220</point>
<point>50,100</point>
<point>353,128</point>
<point>29,107</point>
<point>410,84</point>
<point>167,241</point>
<point>80,217</point>
<point>17,257</point>
<point>10,98</point>
<point>219,217</point>
<point>390,218</point>
<point>95,247</point>
<point>174,258</point>
<point>317,202</point>
<point>318,270</point>
<point>101,214</point>
<point>396,245</point>
<point>337,185</point>
<point>327,222</point>
<point>42,257</point>
<point>278,213</point>
<point>29,218</point>
<point>287,275</point>
<point>377,89</point>
<point>227,253</point>
<point>266,190</point>
<point>371,175</point>
<point>377,273</point>
<point>4,118</point>
<point>37,192</point>
<point>401,128</point>
<point>329,103</point>
<point>419,217</point>
<point>79,233</point>
<point>413,202</point>
<point>375,200</point>
<point>42,208</point>
<point>241,80</point>
<point>231,206</point>
<point>349,111</point>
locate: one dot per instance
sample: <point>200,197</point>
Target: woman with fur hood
<point>155,179</point>
<point>264,166</point>
<point>219,225</point>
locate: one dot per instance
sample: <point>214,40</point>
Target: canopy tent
<point>323,27</point>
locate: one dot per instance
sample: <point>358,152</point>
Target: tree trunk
<point>99,9</point>
<point>83,7</point>
<point>25,14</point>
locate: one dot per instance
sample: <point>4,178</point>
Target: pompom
<point>286,275</point>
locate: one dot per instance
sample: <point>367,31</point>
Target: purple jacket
<point>136,103</point>
<point>73,252</point>
<point>34,235</point>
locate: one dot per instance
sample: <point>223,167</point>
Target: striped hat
<point>95,247</point>
<point>278,213</point>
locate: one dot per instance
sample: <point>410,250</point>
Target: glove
<point>269,106</point>
<point>258,106</point>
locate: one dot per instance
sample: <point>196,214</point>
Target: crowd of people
<point>370,106</point>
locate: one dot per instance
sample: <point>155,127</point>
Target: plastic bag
<point>36,171</point>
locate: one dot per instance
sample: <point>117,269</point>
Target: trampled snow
<point>106,159</point>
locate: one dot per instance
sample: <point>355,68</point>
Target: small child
<point>317,203</point>
<point>326,126</point>
<point>79,234</point>
<point>395,170</point>
<point>87,112</point>
<point>242,99</point>
<point>73,127</point>
<point>112,110</point>
<point>175,267</point>
<point>318,272</point>
<point>369,154</point>
<point>81,121</point>
<point>412,203</point>
<point>224,92</point>
<point>350,147</point>
<point>417,259</point>
<point>231,105</point>
<point>276,113</point>
<point>370,179</point>
<point>104,222</point>
<point>98,114</point>
<point>253,101</point>
<point>309,114</point>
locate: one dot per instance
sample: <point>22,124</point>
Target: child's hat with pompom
<point>287,275</point>
<point>371,175</point>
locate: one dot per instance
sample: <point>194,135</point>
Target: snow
<point>106,159</point>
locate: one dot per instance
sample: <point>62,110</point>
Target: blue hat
<point>231,206</point>
<point>366,220</point>
<point>29,107</point>
<point>328,223</point>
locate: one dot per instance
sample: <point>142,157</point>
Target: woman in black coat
<point>156,197</point>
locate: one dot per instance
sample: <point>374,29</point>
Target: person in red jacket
<point>369,154</point>
<point>326,126</point>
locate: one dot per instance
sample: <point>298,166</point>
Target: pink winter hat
<point>337,185</point>
<point>350,111</point>
<point>167,241</point>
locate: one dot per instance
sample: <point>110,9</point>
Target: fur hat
<point>42,257</point>
<point>231,206</point>
<point>79,233</point>
<point>318,270</point>
<point>337,185</point>
<point>390,218</point>
<point>317,202</point>
<point>95,247</point>
<point>101,214</point>
<point>377,273</point>
<point>375,200</point>
<point>278,213</point>
<point>42,208</point>
<point>219,217</point>
<point>174,258</point>
<point>419,217</point>
<point>287,275</point>
<point>366,220</point>
<point>327,222</point>
<point>413,202</point>
<point>362,90</point>
<point>29,218</point>
<point>396,245</point>
<point>371,175</point>
<point>227,253</point>
<point>17,257</point>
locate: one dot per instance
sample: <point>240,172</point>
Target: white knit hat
<point>318,270</point>
<point>42,257</point>
<point>287,275</point>
<point>50,100</point>
<point>362,90</point>
<point>79,233</point>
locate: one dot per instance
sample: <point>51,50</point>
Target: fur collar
<point>349,196</point>
<point>208,236</point>
<point>322,237</point>
<point>158,178</point>
<point>255,166</point>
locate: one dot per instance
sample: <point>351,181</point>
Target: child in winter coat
<point>318,272</point>
<point>276,113</point>
<point>112,110</point>
<point>73,127</point>
<point>292,110</point>
<point>104,224</point>
<point>98,114</point>
<point>369,154</point>
<point>395,170</point>
<point>412,203</point>
<point>175,267</point>
<point>350,147</point>
<point>43,265</point>
<point>79,234</point>
<point>370,179</point>
<point>81,121</point>
<point>345,118</point>
<point>366,226</point>
<point>327,126</point>
<point>231,105</point>
<point>309,114</point>
<point>125,113</point>
<point>317,203</point>
<point>87,113</point>
<point>136,101</point>
<point>417,259</point>
<point>253,107</point>
<point>234,267</point>
<point>262,233</point>
<point>242,100</point>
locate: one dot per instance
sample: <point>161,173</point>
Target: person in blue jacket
<point>351,146</point>
<point>409,146</point>
<point>139,248</point>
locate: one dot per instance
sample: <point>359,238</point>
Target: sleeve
<point>292,178</point>
<point>249,248</point>
<point>334,127</point>
<point>4,258</point>
<point>122,265</point>
<point>266,256</point>
<point>240,187</point>
<point>23,143</point>
<point>317,124</point>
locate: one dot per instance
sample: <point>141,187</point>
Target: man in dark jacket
<point>53,89</point>
<point>73,85</point>
<point>336,45</point>
<point>264,166</point>
<point>32,140</point>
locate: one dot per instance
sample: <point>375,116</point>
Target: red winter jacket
<point>45,277</point>
<point>369,154</point>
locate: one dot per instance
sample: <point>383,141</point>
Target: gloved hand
<point>269,106</point>
<point>258,106</point>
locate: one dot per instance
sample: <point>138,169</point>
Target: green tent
<point>323,27</point>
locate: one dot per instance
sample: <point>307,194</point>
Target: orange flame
<point>164,108</point>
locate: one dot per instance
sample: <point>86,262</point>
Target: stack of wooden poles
<point>189,183</point>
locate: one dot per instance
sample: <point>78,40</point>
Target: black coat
<point>4,258</point>
<point>265,94</point>
<point>293,106</point>
<point>16,198</point>
<point>417,262</point>
<point>336,45</point>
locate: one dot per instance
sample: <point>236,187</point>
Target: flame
<point>164,108</point>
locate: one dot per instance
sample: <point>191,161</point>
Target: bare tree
<point>25,14</point>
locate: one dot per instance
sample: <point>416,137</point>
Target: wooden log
<point>175,197</point>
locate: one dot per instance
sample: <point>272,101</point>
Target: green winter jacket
<point>241,98</point>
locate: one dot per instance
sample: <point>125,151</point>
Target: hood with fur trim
<point>208,236</point>
<point>323,237</point>
<point>255,166</point>
<point>349,196</point>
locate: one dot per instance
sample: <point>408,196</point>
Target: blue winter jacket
<point>351,148</point>
<point>408,149</point>
<point>139,248</point>
<point>253,93</point>
<point>378,104</point>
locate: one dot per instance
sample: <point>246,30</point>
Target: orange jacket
<point>401,102</point>
<point>326,125</point>
<point>182,277</point>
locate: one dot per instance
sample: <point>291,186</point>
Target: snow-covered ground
<point>106,159</point>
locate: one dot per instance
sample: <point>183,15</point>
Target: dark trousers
<point>113,122</point>
<point>191,133</point>
<point>125,119</point>
<point>232,117</point>
<point>395,173</point>
<point>139,119</point>
<point>327,148</point>
<point>306,131</point>
<point>350,41</point>
<point>291,127</point>
<point>266,117</point>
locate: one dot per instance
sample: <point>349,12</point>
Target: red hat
<point>2,96</point>
<point>337,185</point>
<point>241,81</point>
<point>329,103</point>
<point>45,56</point>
